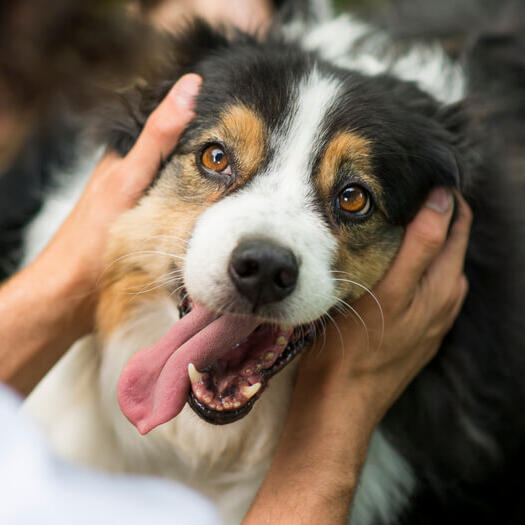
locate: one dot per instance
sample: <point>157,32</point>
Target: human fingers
<point>443,279</point>
<point>463,287</point>
<point>424,239</point>
<point>452,258</point>
<point>162,130</point>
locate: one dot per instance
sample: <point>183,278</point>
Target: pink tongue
<point>154,385</point>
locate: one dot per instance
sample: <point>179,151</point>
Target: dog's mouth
<point>218,362</point>
<point>226,390</point>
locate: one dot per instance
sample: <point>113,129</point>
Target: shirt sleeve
<point>39,488</point>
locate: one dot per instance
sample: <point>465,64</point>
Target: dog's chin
<point>227,389</point>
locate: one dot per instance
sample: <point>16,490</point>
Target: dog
<point>287,196</point>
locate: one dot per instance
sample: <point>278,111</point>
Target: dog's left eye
<point>355,199</point>
<point>214,158</point>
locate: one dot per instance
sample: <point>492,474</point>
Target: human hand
<point>248,16</point>
<point>347,383</point>
<point>420,298</point>
<point>115,186</point>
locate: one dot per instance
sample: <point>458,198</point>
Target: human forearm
<point>43,310</point>
<point>317,465</point>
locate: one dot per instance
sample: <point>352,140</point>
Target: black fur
<point>264,75</point>
<point>460,423</point>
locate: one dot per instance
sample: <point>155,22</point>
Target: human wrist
<point>334,392</point>
<point>330,425</point>
<point>321,454</point>
<point>69,287</point>
<point>365,384</point>
<point>41,314</point>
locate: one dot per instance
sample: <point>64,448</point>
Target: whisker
<point>342,311</point>
<point>140,252</point>
<point>169,237</point>
<point>361,320</point>
<point>338,331</point>
<point>373,296</point>
<point>176,290</point>
<point>164,281</point>
<point>323,330</point>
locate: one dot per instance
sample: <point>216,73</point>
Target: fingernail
<point>440,200</point>
<point>186,89</point>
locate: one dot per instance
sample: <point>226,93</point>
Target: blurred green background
<point>370,4</point>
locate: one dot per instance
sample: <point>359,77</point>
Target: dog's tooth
<point>207,398</point>
<point>281,340</point>
<point>236,404</point>
<point>227,405</point>
<point>198,394</point>
<point>195,375</point>
<point>248,371</point>
<point>249,391</point>
<point>268,356</point>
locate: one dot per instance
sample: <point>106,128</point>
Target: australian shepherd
<point>286,198</point>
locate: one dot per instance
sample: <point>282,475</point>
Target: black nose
<point>263,272</point>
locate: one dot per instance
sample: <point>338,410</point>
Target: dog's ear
<point>423,145</point>
<point>120,122</point>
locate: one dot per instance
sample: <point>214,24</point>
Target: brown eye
<point>214,158</point>
<point>355,199</point>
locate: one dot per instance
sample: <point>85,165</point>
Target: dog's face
<point>285,198</point>
<point>296,212</point>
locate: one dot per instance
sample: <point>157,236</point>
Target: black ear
<point>428,162</point>
<point>119,123</point>
<point>424,145</point>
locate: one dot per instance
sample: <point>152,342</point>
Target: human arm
<point>340,396</point>
<point>51,303</point>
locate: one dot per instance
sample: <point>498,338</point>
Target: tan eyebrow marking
<point>346,146</point>
<point>244,130</point>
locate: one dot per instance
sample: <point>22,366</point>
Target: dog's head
<point>285,198</point>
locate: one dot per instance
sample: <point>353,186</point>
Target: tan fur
<point>364,250</point>
<point>346,148</point>
<point>365,267</point>
<point>116,302</point>
<point>165,218</point>
<point>147,244</point>
<point>241,127</point>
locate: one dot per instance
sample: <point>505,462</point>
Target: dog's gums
<point>238,354</point>
<point>227,389</point>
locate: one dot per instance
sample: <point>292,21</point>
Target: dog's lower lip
<point>224,417</point>
<point>201,381</point>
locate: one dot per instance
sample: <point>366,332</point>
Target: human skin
<point>50,304</point>
<point>250,15</point>
<point>346,385</point>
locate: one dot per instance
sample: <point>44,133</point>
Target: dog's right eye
<point>355,200</point>
<point>214,158</point>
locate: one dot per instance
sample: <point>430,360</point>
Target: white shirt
<point>37,488</point>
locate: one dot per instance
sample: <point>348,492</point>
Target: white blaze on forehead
<point>278,205</point>
<point>295,144</point>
